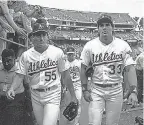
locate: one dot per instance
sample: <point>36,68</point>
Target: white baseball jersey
<point>140,61</point>
<point>43,70</point>
<point>108,60</point>
<point>74,69</point>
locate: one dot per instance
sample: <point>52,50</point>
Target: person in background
<point>139,70</point>
<point>11,111</point>
<point>7,24</point>
<point>74,69</point>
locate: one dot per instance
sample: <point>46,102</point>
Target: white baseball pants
<point>110,99</point>
<point>46,106</point>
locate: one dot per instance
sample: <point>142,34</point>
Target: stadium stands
<point>81,35</point>
<point>81,16</point>
<point>75,28</point>
<point>68,25</point>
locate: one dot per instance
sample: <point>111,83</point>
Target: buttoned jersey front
<point>108,60</point>
<point>43,69</point>
<point>74,69</point>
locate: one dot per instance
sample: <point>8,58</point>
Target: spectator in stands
<point>139,67</point>
<point>22,21</point>
<point>20,6</point>
<point>9,19</point>
<point>11,111</point>
<point>23,18</point>
<point>7,24</point>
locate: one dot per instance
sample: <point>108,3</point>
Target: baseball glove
<point>89,71</point>
<point>139,120</point>
<point>71,111</point>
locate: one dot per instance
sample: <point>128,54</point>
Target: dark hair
<point>8,53</point>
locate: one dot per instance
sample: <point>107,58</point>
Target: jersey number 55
<point>50,75</point>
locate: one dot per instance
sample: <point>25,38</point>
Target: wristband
<point>84,87</point>
<point>135,91</point>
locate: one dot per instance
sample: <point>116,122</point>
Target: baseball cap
<point>70,50</point>
<point>40,25</point>
<point>104,18</point>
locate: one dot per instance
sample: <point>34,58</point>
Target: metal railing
<point>6,40</point>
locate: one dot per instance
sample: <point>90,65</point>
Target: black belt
<point>46,89</point>
<point>106,85</point>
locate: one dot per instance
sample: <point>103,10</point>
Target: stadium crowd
<point>17,19</point>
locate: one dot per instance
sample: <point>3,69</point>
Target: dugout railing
<point>6,40</point>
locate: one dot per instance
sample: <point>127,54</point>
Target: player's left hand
<point>133,99</point>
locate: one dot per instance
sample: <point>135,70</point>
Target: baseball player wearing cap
<point>109,56</point>
<point>44,66</point>
<point>74,69</point>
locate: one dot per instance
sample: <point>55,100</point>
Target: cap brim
<point>40,31</point>
<point>70,52</point>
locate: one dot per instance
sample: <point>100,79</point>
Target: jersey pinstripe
<point>74,69</point>
<point>108,60</point>
<point>43,70</point>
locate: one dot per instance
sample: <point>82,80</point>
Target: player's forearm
<point>83,77</point>
<point>18,79</point>
<point>132,78</point>
<point>70,87</point>
<point>68,82</point>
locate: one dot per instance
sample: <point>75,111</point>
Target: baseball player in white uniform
<point>139,71</point>
<point>44,66</point>
<point>74,69</point>
<point>109,56</point>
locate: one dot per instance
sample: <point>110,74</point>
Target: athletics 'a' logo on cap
<point>70,50</point>
<point>41,26</point>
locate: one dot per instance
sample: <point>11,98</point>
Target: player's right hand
<point>10,94</point>
<point>22,32</point>
<point>87,96</point>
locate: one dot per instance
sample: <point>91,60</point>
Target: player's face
<point>8,62</point>
<point>71,57</point>
<point>39,39</point>
<point>105,29</point>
